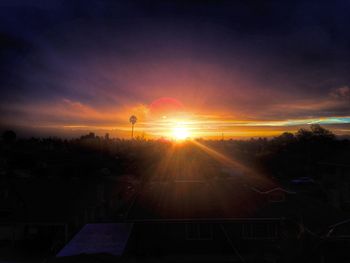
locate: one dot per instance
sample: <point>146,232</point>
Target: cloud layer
<point>92,65</point>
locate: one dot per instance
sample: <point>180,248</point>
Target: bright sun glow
<point>180,133</point>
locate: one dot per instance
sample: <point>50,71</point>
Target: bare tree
<point>132,120</point>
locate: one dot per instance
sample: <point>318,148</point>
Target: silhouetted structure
<point>132,120</point>
<point>9,136</point>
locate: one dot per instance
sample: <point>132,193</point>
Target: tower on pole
<point>132,120</point>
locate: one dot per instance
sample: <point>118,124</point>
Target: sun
<point>180,133</point>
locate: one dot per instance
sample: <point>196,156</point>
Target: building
<point>221,220</point>
<point>335,178</point>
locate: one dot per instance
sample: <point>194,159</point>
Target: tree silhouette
<point>132,120</point>
<point>9,136</point>
<point>284,139</point>
<point>318,130</point>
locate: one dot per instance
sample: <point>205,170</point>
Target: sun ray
<point>250,176</point>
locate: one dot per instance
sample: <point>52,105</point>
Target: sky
<point>212,68</point>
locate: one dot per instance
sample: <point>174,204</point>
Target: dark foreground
<point>98,200</point>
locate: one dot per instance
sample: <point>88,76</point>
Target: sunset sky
<point>238,68</point>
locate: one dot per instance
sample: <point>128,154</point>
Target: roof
<point>227,199</point>
<point>196,199</point>
<point>42,200</point>
<point>347,221</point>
<point>106,238</point>
<point>338,164</point>
<point>276,189</point>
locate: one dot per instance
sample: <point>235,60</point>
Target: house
<point>218,220</point>
<point>335,178</point>
<point>335,247</point>
<point>44,213</point>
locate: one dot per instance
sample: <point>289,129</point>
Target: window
<point>276,196</point>
<point>260,230</point>
<point>199,231</point>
